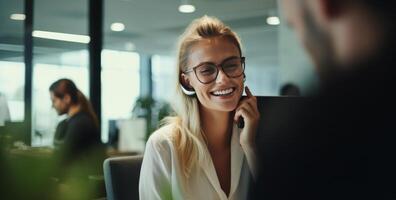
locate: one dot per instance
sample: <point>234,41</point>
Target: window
<point>12,67</point>
<point>60,51</point>
<point>120,86</point>
<point>12,76</point>
<point>163,76</point>
<point>45,117</point>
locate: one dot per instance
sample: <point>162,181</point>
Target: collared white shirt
<point>161,176</point>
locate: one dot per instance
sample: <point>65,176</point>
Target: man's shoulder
<point>80,119</point>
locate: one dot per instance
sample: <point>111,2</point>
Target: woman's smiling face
<point>224,93</point>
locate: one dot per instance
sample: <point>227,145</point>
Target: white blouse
<point>161,176</point>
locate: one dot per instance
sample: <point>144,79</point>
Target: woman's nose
<point>221,77</point>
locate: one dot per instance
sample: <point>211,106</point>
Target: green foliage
<point>152,110</point>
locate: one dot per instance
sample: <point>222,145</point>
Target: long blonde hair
<point>188,138</point>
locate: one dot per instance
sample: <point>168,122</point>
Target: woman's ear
<point>185,82</point>
<point>185,85</point>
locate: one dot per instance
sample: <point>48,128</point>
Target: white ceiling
<point>153,26</point>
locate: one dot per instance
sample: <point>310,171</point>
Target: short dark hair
<point>385,8</point>
<point>385,11</point>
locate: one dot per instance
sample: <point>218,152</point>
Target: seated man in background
<point>77,139</point>
<point>342,144</point>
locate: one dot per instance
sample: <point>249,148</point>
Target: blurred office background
<point>137,55</point>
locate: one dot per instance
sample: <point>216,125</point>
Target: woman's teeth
<point>223,92</point>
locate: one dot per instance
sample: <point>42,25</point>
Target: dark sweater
<point>340,145</point>
<point>77,143</point>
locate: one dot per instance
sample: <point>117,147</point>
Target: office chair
<point>121,176</point>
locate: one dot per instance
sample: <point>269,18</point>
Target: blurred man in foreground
<point>341,145</point>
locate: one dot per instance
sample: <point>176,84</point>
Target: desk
<point>34,152</point>
<point>26,173</point>
<point>31,173</point>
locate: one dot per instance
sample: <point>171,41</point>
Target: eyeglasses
<point>207,72</point>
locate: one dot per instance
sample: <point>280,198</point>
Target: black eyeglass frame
<point>217,71</point>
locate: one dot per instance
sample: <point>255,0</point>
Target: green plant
<point>152,110</point>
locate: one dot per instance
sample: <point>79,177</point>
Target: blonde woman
<point>201,153</point>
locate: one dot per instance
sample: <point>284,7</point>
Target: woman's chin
<point>226,108</point>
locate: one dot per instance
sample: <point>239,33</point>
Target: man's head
<point>64,94</point>
<point>339,34</point>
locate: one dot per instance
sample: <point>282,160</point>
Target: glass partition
<point>60,35</point>
<point>12,67</point>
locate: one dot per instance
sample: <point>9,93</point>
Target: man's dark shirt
<point>341,144</point>
<point>77,143</point>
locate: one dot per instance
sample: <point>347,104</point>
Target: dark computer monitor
<point>113,133</point>
<point>13,131</point>
<point>272,110</point>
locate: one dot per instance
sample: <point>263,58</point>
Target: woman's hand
<point>247,109</point>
